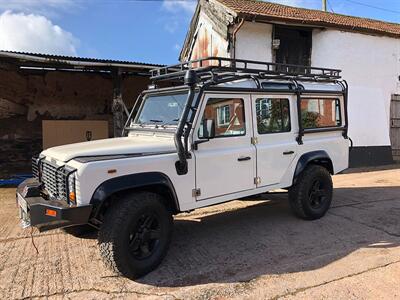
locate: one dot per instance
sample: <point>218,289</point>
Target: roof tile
<point>275,11</point>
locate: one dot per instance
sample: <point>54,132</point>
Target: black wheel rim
<point>144,237</point>
<point>317,194</point>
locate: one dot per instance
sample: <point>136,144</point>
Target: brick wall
<point>28,98</point>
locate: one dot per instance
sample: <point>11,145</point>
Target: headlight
<point>71,189</point>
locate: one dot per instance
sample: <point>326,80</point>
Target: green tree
<point>310,119</point>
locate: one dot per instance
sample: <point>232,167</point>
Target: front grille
<point>54,180</point>
<point>35,167</point>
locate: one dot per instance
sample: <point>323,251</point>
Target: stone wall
<point>27,98</point>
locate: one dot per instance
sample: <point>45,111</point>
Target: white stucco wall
<point>370,64</point>
<point>253,42</point>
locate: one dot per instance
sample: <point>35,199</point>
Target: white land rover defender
<point>232,129</point>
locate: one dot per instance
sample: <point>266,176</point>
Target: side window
<point>320,113</point>
<point>227,114</point>
<point>272,115</point>
<point>224,115</point>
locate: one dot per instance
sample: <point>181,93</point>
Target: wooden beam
<point>117,102</point>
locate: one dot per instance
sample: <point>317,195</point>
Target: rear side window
<point>320,113</point>
<point>272,115</point>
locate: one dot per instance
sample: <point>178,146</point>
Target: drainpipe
<point>324,6</point>
<point>234,36</point>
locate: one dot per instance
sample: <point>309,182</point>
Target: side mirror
<point>208,129</point>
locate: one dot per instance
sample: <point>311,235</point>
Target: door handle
<point>244,158</point>
<point>288,152</point>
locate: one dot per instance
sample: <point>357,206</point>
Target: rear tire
<point>311,196</point>
<point>135,235</point>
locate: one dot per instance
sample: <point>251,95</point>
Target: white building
<point>367,51</point>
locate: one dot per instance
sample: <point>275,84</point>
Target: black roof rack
<point>220,66</point>
<point>212,71</point>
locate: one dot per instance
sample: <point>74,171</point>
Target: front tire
<point>135,235</point>
<point>311,196</point>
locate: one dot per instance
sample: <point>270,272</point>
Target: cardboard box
<point>62,132</point>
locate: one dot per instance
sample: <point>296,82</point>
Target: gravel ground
<point>243,249</point>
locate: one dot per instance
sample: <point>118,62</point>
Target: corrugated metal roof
<point>78,61</point>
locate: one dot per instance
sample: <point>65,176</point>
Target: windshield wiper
<point>150,122</point>
<point>170,123</point>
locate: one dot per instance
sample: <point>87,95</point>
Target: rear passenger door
<point>276,144</point>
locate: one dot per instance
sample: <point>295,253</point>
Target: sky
<point>150,31</point>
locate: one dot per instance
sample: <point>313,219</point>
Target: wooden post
<point>117,103</point>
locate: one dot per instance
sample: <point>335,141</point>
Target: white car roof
<point>271,83</point>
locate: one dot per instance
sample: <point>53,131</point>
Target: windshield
<point>161,110</point>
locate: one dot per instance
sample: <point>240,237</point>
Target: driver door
<point>225,157</point>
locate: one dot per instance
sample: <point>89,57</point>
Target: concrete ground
<point>243,249</point>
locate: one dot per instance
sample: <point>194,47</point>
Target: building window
<point>294,47</point>
<point>224,115</point>
<point>227,115</point>
<point>272,115</point>
<point>320,113</point>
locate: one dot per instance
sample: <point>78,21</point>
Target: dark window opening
<point>294,46</point>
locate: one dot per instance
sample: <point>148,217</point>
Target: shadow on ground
<point>265,238</point>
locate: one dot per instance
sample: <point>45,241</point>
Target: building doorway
<point>395,127</point>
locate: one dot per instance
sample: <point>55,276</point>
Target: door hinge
<point>257,180</point>
<point>196,192</point>
<point>254,140</point>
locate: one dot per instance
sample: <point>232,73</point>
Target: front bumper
<point>47,214</point>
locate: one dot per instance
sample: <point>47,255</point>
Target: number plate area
<point>23,212</point>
